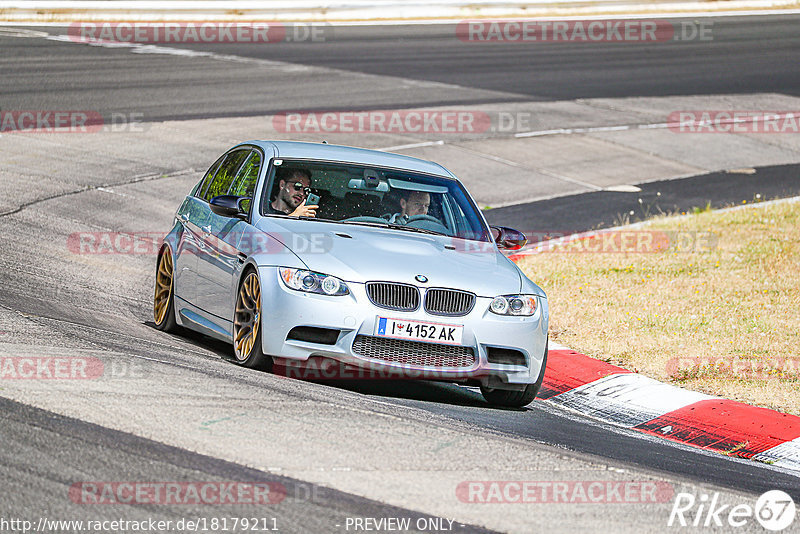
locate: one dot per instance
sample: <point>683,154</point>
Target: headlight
<point>311,282</point>
<point>513,305</point>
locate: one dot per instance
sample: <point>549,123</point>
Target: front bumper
<point>354,316</point>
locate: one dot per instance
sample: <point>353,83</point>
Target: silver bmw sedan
<point>381,264</point>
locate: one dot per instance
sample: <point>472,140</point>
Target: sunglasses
<point>298,186</point>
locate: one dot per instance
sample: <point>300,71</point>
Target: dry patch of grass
<point>722,318</point>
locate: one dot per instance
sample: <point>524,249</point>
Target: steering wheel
<point>423,217</point>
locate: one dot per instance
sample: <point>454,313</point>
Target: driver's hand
<point>304,211</point>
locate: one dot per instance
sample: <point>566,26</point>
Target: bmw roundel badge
<point>421,278</point>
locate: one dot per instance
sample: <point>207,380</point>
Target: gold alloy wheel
<point>247,318</point>
<point>163,294</point>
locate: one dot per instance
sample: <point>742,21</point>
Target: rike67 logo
<point>774,510</point>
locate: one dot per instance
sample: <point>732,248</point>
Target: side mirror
<point>229,206</point>
<point>508,238</point>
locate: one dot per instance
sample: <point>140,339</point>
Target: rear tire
<point>164,297</point>
<point>516,399</point>
<point>247,325</point>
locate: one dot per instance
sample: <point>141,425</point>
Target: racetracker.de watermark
<point>734,121</point>
<point>324,369</point>
<point>50,368</point>
<point>68,368</point>
<point>142,32</point>
<point>384,121</point>
<point>232,243</point>
<point>169,493</point>
<point>49,121</point>
<point>563,492</point>
<point>583,31</point>
<point>411,121</point>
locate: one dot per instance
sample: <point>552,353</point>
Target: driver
<point>412,203</point>
<point>294,187</point>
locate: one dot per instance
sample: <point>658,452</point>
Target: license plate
<point>419,331</point>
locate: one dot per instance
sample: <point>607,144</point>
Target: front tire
<point>517,399</point>
<point>247,325</point>
<point>164,297</point>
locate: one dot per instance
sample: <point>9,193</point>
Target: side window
<point>225,175</point>
<point>207,178</point>
<point>245,181</point>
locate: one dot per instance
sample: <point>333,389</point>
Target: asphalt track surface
<point>604,209</point>
<point>39,453</point>
<point>744,57</point>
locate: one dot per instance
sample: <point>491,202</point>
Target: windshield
<point>357,194</point>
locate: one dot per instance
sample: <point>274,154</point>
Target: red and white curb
<point>630,400</point>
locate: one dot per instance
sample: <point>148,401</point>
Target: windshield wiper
<point>366,223</point>
<point>413,229</point>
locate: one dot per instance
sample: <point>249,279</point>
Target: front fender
<point>172,239</point>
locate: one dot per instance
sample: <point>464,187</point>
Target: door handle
<point>183,217</point>
<point>206,230</point>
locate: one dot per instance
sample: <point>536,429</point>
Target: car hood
<point>357,253</point>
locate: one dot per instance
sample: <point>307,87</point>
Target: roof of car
<point>322,151</point>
